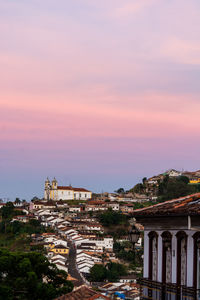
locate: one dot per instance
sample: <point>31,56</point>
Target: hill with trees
<point>164,187</point>
<point>27,276</point>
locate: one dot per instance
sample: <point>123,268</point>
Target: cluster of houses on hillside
<point>84,237</point>
<point>87,206</point>
<point>80,233</point>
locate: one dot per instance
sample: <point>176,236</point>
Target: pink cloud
<point>182,51</point>
<point>48,120</point>
<point>130,8</point>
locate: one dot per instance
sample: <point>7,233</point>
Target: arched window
<point>181,273</point>
<point>166,257</point>
<point>196,266</point>
<point>153,255</point>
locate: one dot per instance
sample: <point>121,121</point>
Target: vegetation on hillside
<point>124,251</point>
<point>171,188</point>
<point>16,235</point>
<point>26,276</point>
<point>111,272</point>
<point>110,218</point>
<point>168,188</point>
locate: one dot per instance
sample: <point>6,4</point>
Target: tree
<point>30,276</point>
<point>138,188</point>
<point>97,273</point>
<point>7,211</point>
<point>120,191</point>
<point>35,198</point>
<point>144,180</point>
<point>110,218</point>
<point>115,270</point>
<point>185,179</point>
<point>112,272</point>
<point>177,187</point>
<point>17,201</point>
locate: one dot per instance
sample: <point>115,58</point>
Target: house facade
<point>55,192</point>
<point>171,249</point>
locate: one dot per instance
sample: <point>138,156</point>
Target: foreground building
<point>55,192</point>
<point>171,249</point>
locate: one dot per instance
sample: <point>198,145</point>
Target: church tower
<point>54,184</point>
<point>47,189</point>
<point>54,189</point>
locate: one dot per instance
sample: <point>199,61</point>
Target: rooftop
<point>184,206</point>
<point>82,293</point>
<point>72,189</point>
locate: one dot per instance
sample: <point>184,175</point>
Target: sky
<point>98,94</point>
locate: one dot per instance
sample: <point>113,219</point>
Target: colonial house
<point>171,249</point>
<point>55,192</point>
<point>113,205</point>
<point>59,249</point>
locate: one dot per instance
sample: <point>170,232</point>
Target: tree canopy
<point>8,211</point>
<point>111,217</point>
<point>111,272</point>
<point>120,191</point>
<point>30,276</point>
<point>177,187</point>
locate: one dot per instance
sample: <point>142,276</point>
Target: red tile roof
<point>72,189</point>
<point>184,206</point>
<point>82,293</point>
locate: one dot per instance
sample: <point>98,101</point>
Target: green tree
<point>17,201</point>
<point>138,188</point>
<point>97,273</point>
<point>144,180</point>
<point>177,187</point>
<point>185,179</point>
<point>30,276</point>
<point>112,272</point>
<point>120,191</point>
<point>111,217</point>
<point>7,211</point>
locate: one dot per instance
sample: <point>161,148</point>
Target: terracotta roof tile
<point>72,189</point>
<point>82,293</point>
<point>188,205</point>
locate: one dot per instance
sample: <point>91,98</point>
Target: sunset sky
<point>98,93</point>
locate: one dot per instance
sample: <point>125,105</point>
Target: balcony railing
<point>158,291</point>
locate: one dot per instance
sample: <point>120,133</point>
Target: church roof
<point>70,188</point>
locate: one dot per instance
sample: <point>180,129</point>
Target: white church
<point>55,192</point>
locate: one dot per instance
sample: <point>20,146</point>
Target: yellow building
<point>195,181</point>
<point>59,249</point>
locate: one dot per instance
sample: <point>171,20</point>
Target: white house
<point>74,208</point>
<point>113,205</point>
<point>60,242</point>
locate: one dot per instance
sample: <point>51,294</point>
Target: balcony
<point>158,291</point>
